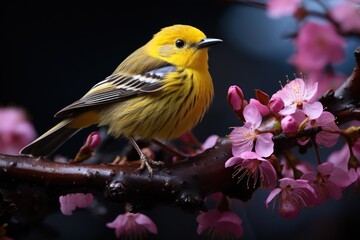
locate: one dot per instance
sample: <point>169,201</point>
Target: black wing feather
<point>119,87</point>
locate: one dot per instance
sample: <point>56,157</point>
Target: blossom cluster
<point>289,112</point>
<point>293,183</point>
<point>16,130</point>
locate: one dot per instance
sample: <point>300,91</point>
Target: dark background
<point>53,52</point>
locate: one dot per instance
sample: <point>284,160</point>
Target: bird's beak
<point>207,42</point>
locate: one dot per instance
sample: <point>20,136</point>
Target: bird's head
<point>181,45</point>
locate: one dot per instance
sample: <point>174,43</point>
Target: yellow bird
<point>160,91</point>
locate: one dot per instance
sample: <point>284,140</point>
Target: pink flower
<point>254,167</point>
<point>344,161</point>
<point>132,226</point>
<point>243,138</point>
<point>279,8</point>
<point>293,195</point>
<point>326,137</point>
<point>347,15</point>
<point>296,95</point>
<point>217,224</point>
<point>340,158</point>
<point>329,182</point>
<point>317,44</point>
<point>15,130</point>
<point>70,202</point>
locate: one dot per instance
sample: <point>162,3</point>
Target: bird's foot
<point>147,162</point>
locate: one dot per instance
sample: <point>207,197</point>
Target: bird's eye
<point>180,43</point>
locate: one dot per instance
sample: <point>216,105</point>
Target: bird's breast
<point>165,114</point>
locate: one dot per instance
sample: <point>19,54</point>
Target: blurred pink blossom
<point>326,82</point>
<point>328,182</point>
<point>255,168</point>
<point>292,195</point>
<point>279,8</point>
<point>132,226</point>
<point>16,131</point>
<point>341,159</point>
<point>218,224</point>
<point>70,202</point>
<point>347,15</point>
<point>243,138</point>
<point>317,44</point>
<point>328,136</point>
<point>217,198</point>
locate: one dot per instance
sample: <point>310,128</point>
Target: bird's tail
<point>51,140</point>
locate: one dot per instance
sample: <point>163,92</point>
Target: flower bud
<point>263,109</point>
<point>235,98</point>
<point>93,140</point>
<point>276,104</point>
<point>289,125</point>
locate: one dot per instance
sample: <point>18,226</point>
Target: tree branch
<point>344,102</point>
<point>184,184</point>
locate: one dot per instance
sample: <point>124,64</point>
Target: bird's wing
<point>120,86</point>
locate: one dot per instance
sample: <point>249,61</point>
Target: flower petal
<point>144,220</point>
<point>70,202</point>
<point>252,114</point>
<point>313,110</point>
<point>233,161</point>
<point>264,145</point>
<point>272,195</point>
